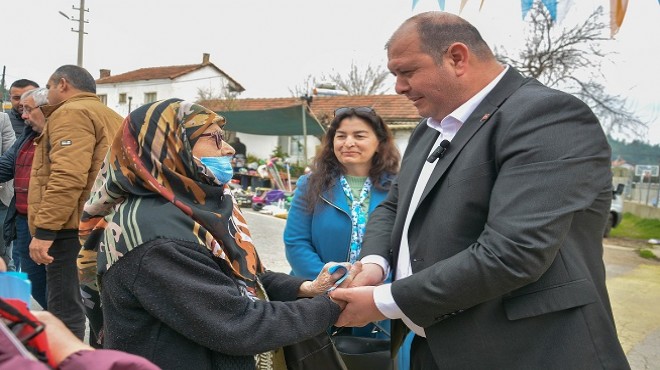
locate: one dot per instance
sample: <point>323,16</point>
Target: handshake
<point>351,287</point>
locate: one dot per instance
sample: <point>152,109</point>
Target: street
<point>633,283</point>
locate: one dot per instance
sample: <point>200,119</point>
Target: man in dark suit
<point>493,229</point>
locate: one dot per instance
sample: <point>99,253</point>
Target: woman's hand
<point>61,340</point>
<point>325,280</point>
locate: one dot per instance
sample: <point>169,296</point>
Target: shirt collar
<point>449,125</point>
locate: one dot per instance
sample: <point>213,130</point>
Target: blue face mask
<point>220,166</point>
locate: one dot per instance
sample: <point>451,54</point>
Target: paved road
<point>266,233</point>
<point>633,284</point>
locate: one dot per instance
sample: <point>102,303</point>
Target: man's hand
<point>360,308</point>
<point>39,251</point>
<point>355,270</point>
<point>370,275</point>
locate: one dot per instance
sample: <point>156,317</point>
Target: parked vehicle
<point>616,210</point>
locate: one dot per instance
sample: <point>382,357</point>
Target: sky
<point>271,46</point>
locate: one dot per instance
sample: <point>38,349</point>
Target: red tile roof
<point>159,73</point>
<point>394,109</point>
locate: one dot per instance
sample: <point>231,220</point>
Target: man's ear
<point>458,55</point>
<point>63,84</point>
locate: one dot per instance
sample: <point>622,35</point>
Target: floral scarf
<point>358,216</point>
<point>150,186</point>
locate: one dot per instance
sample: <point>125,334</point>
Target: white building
<point>127,91</point>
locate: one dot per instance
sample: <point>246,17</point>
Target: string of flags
<point>617,9</point>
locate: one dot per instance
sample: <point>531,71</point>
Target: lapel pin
<point>485,117</point>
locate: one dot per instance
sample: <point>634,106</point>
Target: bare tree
<point>305,88</point>
<point>367,81</point>
<point>570,59</point>
<point>225,96</point>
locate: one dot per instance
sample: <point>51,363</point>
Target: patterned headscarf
<point>150,186</point>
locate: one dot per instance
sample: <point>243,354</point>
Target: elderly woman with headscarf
<point>181,282</point>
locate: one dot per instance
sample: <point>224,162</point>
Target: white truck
<point>616,210</point>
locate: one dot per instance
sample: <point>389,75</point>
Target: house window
<point>103,98</point>
<point>122,98</point>
<point>149,97</point>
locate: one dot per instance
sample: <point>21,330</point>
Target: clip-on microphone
<point>439,151</point>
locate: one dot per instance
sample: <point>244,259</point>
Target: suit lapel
<point>511,81</point>
<point>415,159</point>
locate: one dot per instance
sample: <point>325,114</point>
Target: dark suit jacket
<point>506,242</point>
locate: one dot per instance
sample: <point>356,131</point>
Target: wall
<point>260,146</point>
<point>184,87</point>
<point>641,210</point>
<point>132,89</point>
<point>401,138</point>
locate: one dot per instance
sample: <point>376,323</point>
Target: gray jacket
<point>8,138</point>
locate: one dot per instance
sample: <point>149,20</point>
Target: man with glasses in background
<point>16,164</point>
<point>16,89</point>
<point>68,155</point>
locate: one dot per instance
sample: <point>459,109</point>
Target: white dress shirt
<point>448,128</point>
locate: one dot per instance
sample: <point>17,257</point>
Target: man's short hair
<point>437,31</point>
<point>78,77</point>
<point>23,83</point>
<point>39,95</point>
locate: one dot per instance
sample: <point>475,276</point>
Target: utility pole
<point>2,89</point>
<point>81,28</point>
<point>307,100</point>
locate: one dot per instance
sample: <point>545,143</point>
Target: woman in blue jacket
<point>350,177</point>
<point>330,208</point>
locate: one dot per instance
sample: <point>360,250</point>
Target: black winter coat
<point>169,301</point>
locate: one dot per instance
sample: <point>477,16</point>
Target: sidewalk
<point>635,296</point>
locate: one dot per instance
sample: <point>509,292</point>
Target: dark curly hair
<point>326,168</point>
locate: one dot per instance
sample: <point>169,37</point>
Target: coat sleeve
<point>280,286</point>
<point>8,162</point>
<point>202,299</point>
<point>8,134</point>
<point>300,251</point>
<point>378,233</point>
<point>105,359</point>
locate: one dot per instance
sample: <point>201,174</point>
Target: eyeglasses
<point>218,136</point>
<point>348,110</point>
<point>28,109</point>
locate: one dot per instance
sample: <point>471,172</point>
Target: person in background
<point>350,177</point>
<point>67,156</point>
<point>496,240</point>
<point>16,90</point>
<point>16,164</point>
<point>67,351</point>
<point>240,157</point>
<point>181,282</point>
<point>239,147</point>
<point>7,138</point>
